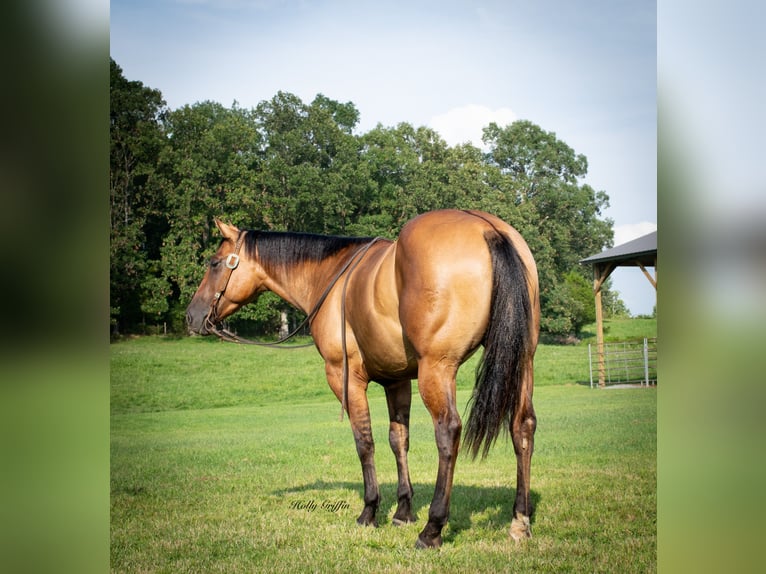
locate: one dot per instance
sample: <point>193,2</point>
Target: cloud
<point>464,124</point>
<point>630,231</point>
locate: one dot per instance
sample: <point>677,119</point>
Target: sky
<point>586,71</point>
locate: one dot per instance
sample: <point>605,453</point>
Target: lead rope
<point>344,394</point>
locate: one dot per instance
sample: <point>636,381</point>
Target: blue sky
<point>584,70</point>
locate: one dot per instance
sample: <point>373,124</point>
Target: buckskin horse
<point>391,311</point>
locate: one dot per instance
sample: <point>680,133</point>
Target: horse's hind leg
<point>399,399</point>
<point>523,436</point>
<point>436,383</point>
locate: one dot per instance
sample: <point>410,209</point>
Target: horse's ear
<point>228,231</point>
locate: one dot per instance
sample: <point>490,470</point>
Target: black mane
<point>284,248</point>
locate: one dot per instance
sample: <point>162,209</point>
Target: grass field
<point>227,458</point>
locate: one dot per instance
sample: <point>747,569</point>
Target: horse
<point>392,311</point>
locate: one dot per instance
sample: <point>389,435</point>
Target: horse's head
<point>232,280</point>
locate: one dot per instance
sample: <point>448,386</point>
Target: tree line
<point>291,165</point>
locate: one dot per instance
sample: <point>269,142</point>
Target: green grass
<point>232,459</point>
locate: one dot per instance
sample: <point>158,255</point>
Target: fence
<point>626,362</point>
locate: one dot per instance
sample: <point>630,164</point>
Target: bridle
<point>232,262</point>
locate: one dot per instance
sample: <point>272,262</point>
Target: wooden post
<point>600,274</point>
<point>600,338</point>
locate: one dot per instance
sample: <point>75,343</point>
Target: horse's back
<point>454,242</point>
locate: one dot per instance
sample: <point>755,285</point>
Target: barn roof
<point>642,250</point>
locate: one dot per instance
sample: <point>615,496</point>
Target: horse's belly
<point>373,307</point>
<point>388,357</point>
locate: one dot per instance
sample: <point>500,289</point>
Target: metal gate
<point>626,362</point>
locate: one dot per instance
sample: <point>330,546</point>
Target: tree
<point>136,220</point>
<point>208,169</point>
<point>310,179</point>
<point>559,217</point>
<point>410,174</point>
<point>281,166</point>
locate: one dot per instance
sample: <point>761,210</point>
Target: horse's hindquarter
<point>428,296</point>
<point>444,276</point>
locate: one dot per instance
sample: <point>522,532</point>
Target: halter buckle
<point>232,261</point>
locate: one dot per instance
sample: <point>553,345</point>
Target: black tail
<point>500,372</point>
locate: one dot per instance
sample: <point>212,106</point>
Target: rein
<point>232,261</point>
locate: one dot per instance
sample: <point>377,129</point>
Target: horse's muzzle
<point>195,323</point>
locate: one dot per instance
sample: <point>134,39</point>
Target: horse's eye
<point>214,263</point>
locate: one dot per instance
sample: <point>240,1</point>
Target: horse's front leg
<point>399,399</point>
<point>359,416</point>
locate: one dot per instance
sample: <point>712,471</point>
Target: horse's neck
<point>304,285</point>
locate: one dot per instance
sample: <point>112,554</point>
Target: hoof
<point>367,517</point>
<point>435,543</point>
<point>427,542</point>
<point>520,529</point>
<point>402,520</point>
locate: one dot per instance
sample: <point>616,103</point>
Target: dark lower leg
<point>371,496</point>
<point>399,399</point>
<point>365,448</point>
<point>447,430</point>
<point>523,433</point>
